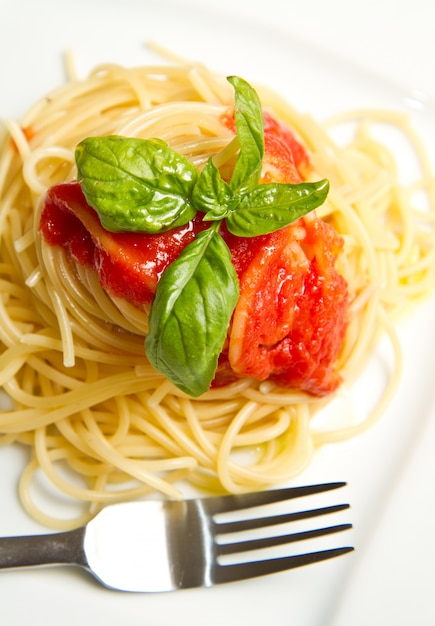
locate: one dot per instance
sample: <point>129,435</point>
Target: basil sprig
<point>144,185</point>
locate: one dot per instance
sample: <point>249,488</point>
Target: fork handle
<point>34,550</point>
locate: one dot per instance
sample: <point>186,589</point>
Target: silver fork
<point>158,545</point>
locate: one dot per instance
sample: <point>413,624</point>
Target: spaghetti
<point>72,363</point>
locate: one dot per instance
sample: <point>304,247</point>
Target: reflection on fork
<point>159,545</point>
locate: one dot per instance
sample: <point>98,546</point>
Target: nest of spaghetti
<point>104,425</point>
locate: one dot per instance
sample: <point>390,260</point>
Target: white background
<point>393,37</point>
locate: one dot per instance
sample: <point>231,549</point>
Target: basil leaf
<point>250,132</point>
<point>136,184</point>
<point>273,206</point>
<point>211,193</point>
<point>191,312</point>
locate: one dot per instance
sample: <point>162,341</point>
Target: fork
<point>164,545</point>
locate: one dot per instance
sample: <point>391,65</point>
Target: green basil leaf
<point>273,206</point>
<point>191,312</point>
<point>136,184</point>
<point>250,132</point>
<point>211,193</point>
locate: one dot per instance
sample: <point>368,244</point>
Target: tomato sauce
<point>290,320</point>
<point>129,265</point>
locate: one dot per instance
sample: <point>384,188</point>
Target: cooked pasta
<point>101,423</point>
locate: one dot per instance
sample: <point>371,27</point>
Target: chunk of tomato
<point>290,319</point>
<point>129,265</point>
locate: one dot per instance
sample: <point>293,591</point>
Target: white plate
<point>34,35</point>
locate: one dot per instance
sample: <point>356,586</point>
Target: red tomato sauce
<point>291,317</point>
<point>129,265</point>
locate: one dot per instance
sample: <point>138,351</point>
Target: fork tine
<point>242,571</point>
<point>223,527</point>
<point>279,540</point>
<point>249,500</point>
